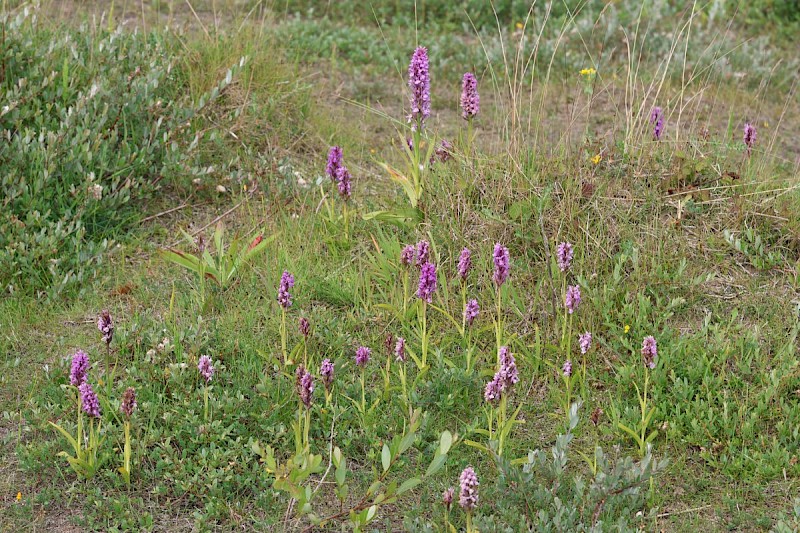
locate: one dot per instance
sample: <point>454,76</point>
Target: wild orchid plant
<point>749,138</point>
<point>206,370</point>
<point>464,266</point>
<point>304,385</point>
<point>326,373</point>
<point>471,309</point>
<point>447,501</point>
<point>388,348</point>
<point>419,148</point>
<point>106,327</point>
<point>292,477</point>
<point>224,266</point>
<point>470,103</point>
<point>639,433</point>
<point>468,494</point>
<point>501,260</point>
<point>572,299</point>
<point>406,263</point>
<point>400,357</point>
<point>85,462</point>
<point>657,121</point>
<point>285,301</point>
<point>127,407</point>
<point>471,312</point>
<point>340,177</point>
<point>362,358</point>
<point>425,290</point>
<point>426,287</point>
<point>304,327</point>
<point>496,394</point>
<point>335,157</point>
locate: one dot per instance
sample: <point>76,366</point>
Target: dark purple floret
<point>407,255</point>
<point>657,120</point>
<point>206,368</point>
<point>388,343</point>
<point>749,136</point>
<point>419,83</point>
<point>464,264</point>
<point>470,100</point>
<point>106,326</point>
<point>400,349</point>
<point>649,351</point>
<point>305,327</point>
<point>502,260</point>
<point>564,254</point>
<point>343,182</point>
<point>585,341</point>
<point>447,497</point>
<point>468,497</point>
<point>128,404</point>
<point>89,401</point>
<point>573,298</point>
<point>362,356</point>
<point>334,162</point>
<point>423,252</point>
<point>443,152</point>
<point>427,282</point>
<point>326,372</point>
<point>80,366</point>
<point>305,385</point>
<point>471,311</point>
<point>284,297</point>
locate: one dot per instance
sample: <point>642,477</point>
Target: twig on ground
<point>161,214</point>
<point>223,215</point>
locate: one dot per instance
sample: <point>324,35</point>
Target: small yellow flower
<point>519,25</point>
<point>596,159</point>
<point>627,329</point>
<point>19,496</point>
<point>588,72</point>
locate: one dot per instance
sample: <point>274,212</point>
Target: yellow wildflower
<point>19,496</point>
<point>519,25</point>
<point>627,329</point>
<point>588,72</point>
<point>596,159</point>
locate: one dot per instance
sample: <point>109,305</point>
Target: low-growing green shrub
<point>546,492</point>
<point>92,120</point>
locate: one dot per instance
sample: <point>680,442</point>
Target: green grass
<point>648,222</point>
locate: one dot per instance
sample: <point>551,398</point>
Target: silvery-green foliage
<point>549,492</point>
<point>91,121</point>
<point>789,522</point>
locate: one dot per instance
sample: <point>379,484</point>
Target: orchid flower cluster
<point>285,301</point>
<point>640,434</point>
<point>341,179</point>
<point>496,394</point>
<point>565,254</point>
<point>420,149</point>
<point>85,461</point>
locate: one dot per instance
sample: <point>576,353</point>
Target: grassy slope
<point>626,210</point>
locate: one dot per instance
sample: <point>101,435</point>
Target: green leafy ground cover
<point>190,116</point>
